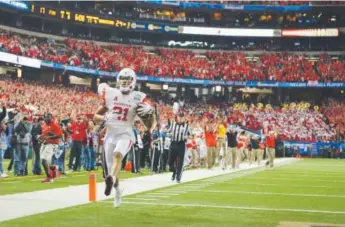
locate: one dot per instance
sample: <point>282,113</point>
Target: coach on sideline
<point>271,144</point>
<point>179,132</point>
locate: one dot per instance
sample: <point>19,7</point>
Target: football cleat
<point>109,182</point>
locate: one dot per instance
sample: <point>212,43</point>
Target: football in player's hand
<point>144,110</point>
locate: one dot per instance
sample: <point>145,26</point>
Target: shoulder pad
<point>139,96</point>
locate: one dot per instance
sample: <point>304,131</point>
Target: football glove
<point>145,109</point>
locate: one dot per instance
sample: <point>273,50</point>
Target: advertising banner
<point>312,149</point>
<point>239,32</point>
<point>19,60</point>
<point>141,77</point>
<point>316,32</point>
<point>21,5</point>
<point>155,27</point>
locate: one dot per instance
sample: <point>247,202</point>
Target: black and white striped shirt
<point>178,131</point>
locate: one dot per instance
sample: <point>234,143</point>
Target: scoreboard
<point>67,15</point>
<point>62,14</point>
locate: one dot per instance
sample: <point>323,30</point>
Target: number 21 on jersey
<point>121,113</point>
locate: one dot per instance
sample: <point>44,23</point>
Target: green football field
<point>308,191</point>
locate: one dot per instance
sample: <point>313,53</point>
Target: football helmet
<point>126,80</point>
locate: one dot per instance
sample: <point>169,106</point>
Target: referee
<point>179,133</point>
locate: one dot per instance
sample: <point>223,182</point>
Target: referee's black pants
<point>156,153</point>
<point>135,159</point>
<point>176,157</point>
<point>145,157</point>
<point>164,160</point>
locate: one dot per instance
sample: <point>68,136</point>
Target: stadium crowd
<point>334,110</point>
<point>281,67</point>
<point>294,122</point>
<point>35,99</point>
<point>26,102</point>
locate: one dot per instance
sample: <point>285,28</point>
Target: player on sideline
<point>119,108</point>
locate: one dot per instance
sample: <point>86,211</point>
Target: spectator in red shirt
<point>79,127</point>
<point>50,138</point>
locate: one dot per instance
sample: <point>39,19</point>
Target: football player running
<point>118,111</point>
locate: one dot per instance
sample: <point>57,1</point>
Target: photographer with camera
<point>36,131</point>
<point>23,139</point>
<point>12,119</point>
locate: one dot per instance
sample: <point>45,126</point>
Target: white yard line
<point>10,182</point>
<point>162,193</point>
<point>187,188</point>
<point>37,179</point>
<point>31,203</point>
<point>312,175</point>
<point>234,207</point>
<point>294,179</point>
<point>269,193</point>
<point>78,175</point>
<point>135,199</point>
<point>153,196</point>
<point>238,174</point>
<point>317,165</point>
<point>175,191</point>
<point>290,185</point>
<point>190,186</point>
<point>303,171</point>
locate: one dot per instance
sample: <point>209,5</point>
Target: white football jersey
<point>121,110</point>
